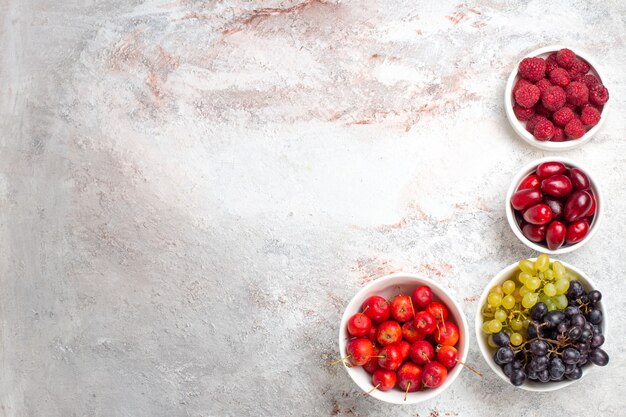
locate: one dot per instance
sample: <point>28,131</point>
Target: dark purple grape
<point>532,375</point>
<point>539,363</point>
<point>599,357</point>
<point>571,311</point>
<point>569,368</point>
<point>517,377</point>
<point>556,369</point>
<point>507,368</point>
<point>597,329</point>
<point>505,355</point>
<point>539,348</point>
<point>578,320</point>
<point>533,330</point>
<point>553,318</point>
<point>538,311</point>
<point>562,327</point>
<point>575,374</point>
<point>575,290</point>
<point>574,333</point>
<point>570,355</point>
<point>501,339</point>
<point>543,376</point>
<point>595,317</point>
<point>594,296</point>
<point>597,341</point>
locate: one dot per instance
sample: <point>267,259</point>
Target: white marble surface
<point>191,191</point>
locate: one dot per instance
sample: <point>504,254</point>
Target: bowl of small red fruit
<point>403,339</point>
<point>554,205</point>
<point>556,98</point>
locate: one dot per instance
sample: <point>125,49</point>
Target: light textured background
<point>191,191</point>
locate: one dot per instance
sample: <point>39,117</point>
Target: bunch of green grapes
<point>508,305</point>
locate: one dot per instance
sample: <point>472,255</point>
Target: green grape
<point>486,327</point>
<point>533,283</point>
<point>516,339</point>
<point>500,315</point>
<point>516,325</point>
<point>549,275</point>
<point>530,300</point>
<point>508,286</point>
<point>540,275</point>
<point>569,276</point>
<point>561,285</point>
<point>524,290</point>
<point>517,295</point>
<point>526,266</point>
<point>523,277</point>
<point>508,302</point>
<point>542,263</point>
<point>551,304</point>
<point>549,289</point>
<point>490,342</point>
<point>498,290</point>
<point>494,299</point>
<point>560,301</point>
<point>543,298</point>
<point>495,326</point>
<point>525,323</point>
<point>559,269</point>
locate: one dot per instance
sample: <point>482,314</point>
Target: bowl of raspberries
<point>555,98</point>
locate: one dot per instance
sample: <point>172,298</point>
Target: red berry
<point>376,308</point>
<point>563,116</point>
<point>371,365</point>
<point>532,122</point>
<point>565,58</point>
<point>579,67</point>
<point>557,186</point>
<point>548,169</point>
<point>590,116</point>
<point>574,129</point>
<point>577,205</point>
<point>405,348</point>
<point>434,374</point>
<point>389,332</point>
<point>438,310</point>
<point>544,130</point>
<point>527,95</point>
<point>577,93</point>
<point>559,135</point>
<point>589,80</point>
<point>410,333</point>
<point>598,95</point>
<point>402,308</point>
<point>520,83</point>
<point>447,334</point>
<point>359,325</point>
<point>526,198</point>
<point>425,322</point>
<point>592,210</point>
<point>422,352</point>
<point>447,356</point>
<point>410,377</point>
<point>533,69</point>
<point>422,296</point>
<point>538,214</point>
<point>577,231</point>
<point>523,113</point>
<point>541,110</point>
<point>359,351</point>
<point>553,98</point>
<point>391,357</point>
<point>551,63</point>
<point>384,379</point>
<point>556,205</point>
<point>555,235</point>
<point>560,77</point>
<point>543,83</point>
<point>534,233</point>
<point>530,182</point>
<point>580,181</point>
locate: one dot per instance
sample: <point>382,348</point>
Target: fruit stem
<point>470,368</point>
<point>407,390</point>
<point>340,360</point>
<point>372,390</point>
<point>443,322</point>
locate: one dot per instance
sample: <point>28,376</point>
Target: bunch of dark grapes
<point>559,342</point>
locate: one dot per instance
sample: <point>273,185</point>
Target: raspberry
<point>579,67</point>
<point>523,113</point>
<point>532,122</point>
<point>543,84</point>
<point>544,130</point>
<point>527,95</point>
<point>599,95</point>
<point>574,129</point>
<point>553,98</point>
<point>565,58</point>
<point>563,116</point>
<point>590,116</point>
<point>589,80</point>
<point>551,63</point>
<point>571,107</point>
<point>559,77</point>
<point>520,83</point>
<point>541,110</point>
<point>577,93</point>
<point>559,135</point>
<point>533,69</point>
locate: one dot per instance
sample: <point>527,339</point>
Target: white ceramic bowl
<point>510,272</point>
<point>510,213</point>
<point>520,127</point>
<point>388,287</point>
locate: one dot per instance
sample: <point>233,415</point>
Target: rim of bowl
<point>520,128</point>
<point>510,215</point>
<point>354,306</point>
<point>485,350</point>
